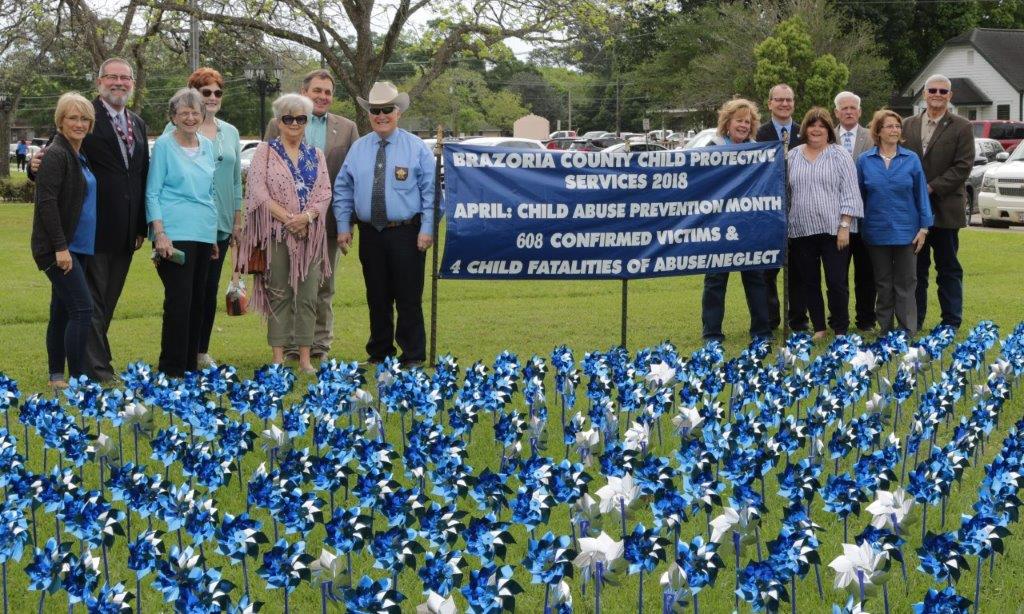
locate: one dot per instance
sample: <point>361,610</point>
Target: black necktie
<point>378,208</point>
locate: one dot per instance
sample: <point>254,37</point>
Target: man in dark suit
<point>945,143</point>
<point>332,134</point>
<point>781,102</point>
<point>856,139</point>
<point>118,155</point>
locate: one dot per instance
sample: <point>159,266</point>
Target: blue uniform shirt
<point>84,241</point>
<point>408,181</point>
<point>896,203</point>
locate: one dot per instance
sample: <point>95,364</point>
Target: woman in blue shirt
<point>64,235</point>
<point>897,215</point>
<point>182,216</point>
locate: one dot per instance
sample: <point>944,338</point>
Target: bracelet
<point>310,216</point>
<point>158,233</point>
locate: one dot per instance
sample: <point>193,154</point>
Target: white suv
<point>1001,198</point>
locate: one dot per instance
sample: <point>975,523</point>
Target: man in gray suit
<point>856,139</point>
<point>332,134</point>
<point>945,143</point>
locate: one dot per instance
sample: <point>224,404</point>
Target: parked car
<point>988,153</point>
<point>504,141</point>
<point>701,139</point>
<point>562,134</point>
<point>448,139</point>
<point>640,146</point>
<point>249,143</point>
<point>560,143</point>
<point>245,159</point>
<point>594,144</point>
<point>1008,133</point>
<point>659,135</point>
<point>1001,196</point>
<point>595,134</point>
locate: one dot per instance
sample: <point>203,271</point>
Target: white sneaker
<point>204,361</point>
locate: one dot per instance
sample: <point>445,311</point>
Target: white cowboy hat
<point>383,94</point>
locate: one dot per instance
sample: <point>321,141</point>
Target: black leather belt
<point>409,222</point>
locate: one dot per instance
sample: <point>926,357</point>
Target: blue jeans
<point>713,304</point>
<point>949,276</point>
<point>70,318</point>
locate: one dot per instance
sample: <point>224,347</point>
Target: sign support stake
<point>437,244</point>
<point>625,312</point>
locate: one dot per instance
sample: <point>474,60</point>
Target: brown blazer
<point>341,133</point>
<point>947,164</point>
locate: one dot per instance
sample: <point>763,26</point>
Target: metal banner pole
<point>437,243</point>
<point>625,311</point>
<point>785,247</point>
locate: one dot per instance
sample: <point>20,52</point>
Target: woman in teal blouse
<point>227,193</point>
<point>182,213</point>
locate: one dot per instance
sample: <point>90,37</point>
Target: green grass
<point>477,320</point>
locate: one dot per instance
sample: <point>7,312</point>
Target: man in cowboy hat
<point>387,181</point>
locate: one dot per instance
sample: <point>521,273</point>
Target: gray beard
<point>115,100</point>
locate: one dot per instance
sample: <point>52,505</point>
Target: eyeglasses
<point>893,127</point>
<point>938,90</point>
<point>380,110</point>
<point>288,120</point>
<point>208,92</point>
<point>117,77</point>
<point>782,99</point>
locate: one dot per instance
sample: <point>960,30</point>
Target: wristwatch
<point>844,224</point>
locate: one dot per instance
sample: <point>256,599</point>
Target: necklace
<point>885,157</point>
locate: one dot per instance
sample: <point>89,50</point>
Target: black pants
<point>393,273</point>
<point>70,318</point>
<point>105,275</point>
<point>941,245</point>
<point>771,280</point>
<point>184,290</point>
<point>807,255</point>
<point>863,282</point>
<point>211,296</point>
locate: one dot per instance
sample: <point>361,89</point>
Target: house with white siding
<point>986,66</point>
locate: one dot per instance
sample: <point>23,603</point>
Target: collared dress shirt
<point>316,131</point>
<point>822,192</point>
<point>896,203</point>
<point>408,181</point>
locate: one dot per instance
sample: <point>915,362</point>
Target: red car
<point>1007,132</point>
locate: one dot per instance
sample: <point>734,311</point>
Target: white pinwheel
<point>890,509</point>
<point>637,437</point>
<point>742,523</point>
<point>865,358</point>
<point>436,604</point>
<point>860,568</point>
<point>618,494</point>
<point>687,421</point>
<point>597,550</point>
<point>661,374</point>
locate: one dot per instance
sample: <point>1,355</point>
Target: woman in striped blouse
<point>824,206</point>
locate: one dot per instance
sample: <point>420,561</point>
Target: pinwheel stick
<point>138,596</point>
<point>245,575</point>
<point>640,595</point>
<point>885,597</point>
<point>5,585</point>
<point>977,586</point>
<point>286,610</point>
<point>598,579</point>
<point>696,606</point>
<point>792,592</point>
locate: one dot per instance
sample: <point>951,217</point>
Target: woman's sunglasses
<point>380,110</point>
<point>207,93</point>
<point>288,120</point>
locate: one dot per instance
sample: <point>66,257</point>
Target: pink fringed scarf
<point>269,180</point>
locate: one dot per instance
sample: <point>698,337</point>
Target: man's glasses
<point>126,78</point>
<point>288,120</point>
<point>208,92</point>
<point>938,90</point>
<point>382,110</point>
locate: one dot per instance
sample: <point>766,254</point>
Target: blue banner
<point>532,214</point>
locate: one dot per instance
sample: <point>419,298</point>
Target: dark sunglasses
<point>938,90</point>
<point>288,120</point>
<point>384,110</point>
<point>207,93</point>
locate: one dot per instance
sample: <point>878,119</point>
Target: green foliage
<point>16,189</point>
<point>788,57</point>
<point>461,100</point>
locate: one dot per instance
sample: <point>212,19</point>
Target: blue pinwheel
<point>370,596</point>
<point>762,586</point>
<point>491,589</point>
<point>549,560</point>
<point>183,580</point>
<point>285,566</point>
<point>441,572</point>
<point>642,550</point>
<point>46,571</point>
<point>348,530</point>
<point>942,556</point>
<point>394,550</point>
<point>144,553</point>
<point>982,536</point>
<point>698,564</point>
<point>488,538</point>
<point>110,600</point>
<point>946,601</point>
<point>239,538</point>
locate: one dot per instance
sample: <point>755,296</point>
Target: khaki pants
<point>293,312</point>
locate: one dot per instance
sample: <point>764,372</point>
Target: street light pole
<point>264,80</point>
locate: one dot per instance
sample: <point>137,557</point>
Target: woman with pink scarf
<point>288,193</point>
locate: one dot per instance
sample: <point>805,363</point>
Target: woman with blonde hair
<point>64,236</point>
<point>897,215</point>
<point>289,190</point>
<point>737,123</point>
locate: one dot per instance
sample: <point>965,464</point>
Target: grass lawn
<point>477,320</point>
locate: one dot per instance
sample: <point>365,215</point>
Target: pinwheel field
<point>534,467</point>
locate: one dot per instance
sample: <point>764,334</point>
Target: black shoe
<point>411,364</point>
<point>374,361</point>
